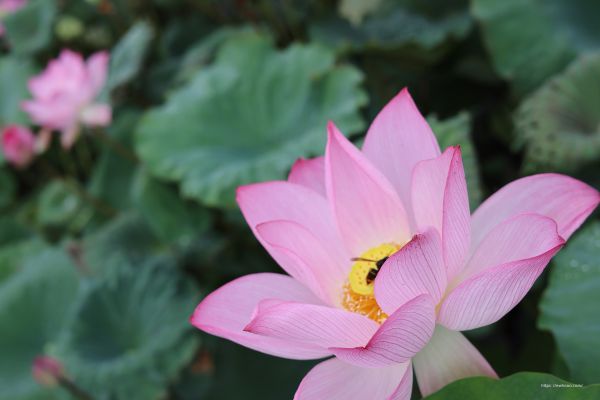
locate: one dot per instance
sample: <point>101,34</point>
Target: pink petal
<point>309,173</point>
<point>485,298</point>
<point>564,199</point>
<point>417,268</point>
<point>97,68</point>
<point>397,140</point>
<point>449,356</point>
<point>520,237</point>
<point>317,325</point>
<point>97,115</point>
<point>226,311</point>
<point>404,389</point>
<point>69,135</point>
<point>367,209</point>
<point>54,115</point>
<point>336,380</point>
<point>398,339</point>
<point>271,201</point>
<point>440,199</point>
<point>309,261</point>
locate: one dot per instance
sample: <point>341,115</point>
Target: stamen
<point>362,304</point>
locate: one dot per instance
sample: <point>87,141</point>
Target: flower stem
<point>73,389</point>
<point>116,146</point>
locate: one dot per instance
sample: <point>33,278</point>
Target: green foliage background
<point>106,249</point>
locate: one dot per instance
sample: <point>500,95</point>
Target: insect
<point>372,274</point>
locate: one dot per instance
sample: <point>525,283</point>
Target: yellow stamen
<point>358,278</point>
<point>357,293</point>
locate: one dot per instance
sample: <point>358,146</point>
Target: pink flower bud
<point>18,145</point>
<point>47,371</point>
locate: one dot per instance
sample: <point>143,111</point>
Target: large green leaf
<point>247,117</point>
<point>130,336</point>
<point>559,124</point>
<point>456,131</point>
<point>14,73</point>
<point>569,307</point>
<point>125,238</point>
<point>128,55</point>
<point>394,24</point>
<point>34,304</point>
<point>30,28</point>
<point>171,218</point>
<point>531,40</point>
<point>524,385</point>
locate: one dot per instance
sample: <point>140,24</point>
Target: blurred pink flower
<point>386,263</point>
<point>18,145</point>
<point>47,371</point>
<point>64,95</point>
<point>8,7</point>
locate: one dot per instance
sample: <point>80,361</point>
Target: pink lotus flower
<point>8,7</point>
<point>386,263</point>
<point>64,95</point>
<point>18,145</point>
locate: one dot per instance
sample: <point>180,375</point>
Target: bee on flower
<point>385,262</point>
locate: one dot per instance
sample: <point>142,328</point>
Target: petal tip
<point>332,131</point>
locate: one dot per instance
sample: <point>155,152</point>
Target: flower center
<point>358,292</point>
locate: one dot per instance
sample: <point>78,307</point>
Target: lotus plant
<point>65,93</point>
<point>18,145</point>
<point>385,263</point>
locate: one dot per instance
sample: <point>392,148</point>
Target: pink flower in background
<point>18,145</point>
<point>386,265</point>
<point>47,371</point>
<point>8,7</point>
<point>64,95</point>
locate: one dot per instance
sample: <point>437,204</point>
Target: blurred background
<point>106,248</point>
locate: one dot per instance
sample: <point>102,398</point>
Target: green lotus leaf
<point>248,116</point>
<point>559,124</point>
<point>14,73</point>
<point>171,218</point>
<point>130,335</point>
<point>569,306</point>
<point>394,24</point>
<point>456,131</point>
<point>524,385</point>
<point>128,55</point>
<point>34,304</point>
<point>125,238</point>
<point>60,207</point>
<point>58,204</point>
<point>13,256</point>
<point>30,28</point>
<point>530,41</point>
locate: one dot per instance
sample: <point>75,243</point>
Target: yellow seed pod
<point>366,262</point>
